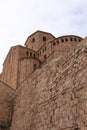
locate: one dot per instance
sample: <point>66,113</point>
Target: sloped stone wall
<point>6,105</point>
<point>54,97</point>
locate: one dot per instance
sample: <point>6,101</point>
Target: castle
<point>43,84</point>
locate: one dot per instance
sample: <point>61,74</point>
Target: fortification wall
<point>6,105</point>
<point>54,97</point>
<point>63,45</point>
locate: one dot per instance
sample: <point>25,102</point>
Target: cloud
<point>20,18</point>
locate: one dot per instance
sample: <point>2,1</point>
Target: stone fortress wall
<point>43,85</point>
<point>54,97</point>
<point>6,105</point>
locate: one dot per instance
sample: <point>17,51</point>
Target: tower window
<point>66,40</point>
<point>79,40</point>
<point>57,42</point>
<point>27,53</point>
<point>62,40</point>
<point>33,40</point>
<point>71,39</point>
<point>30,54</point>
<point>44,38</point>
<point>45,57</point>
<point>54,43</point>
<point>75,39</point>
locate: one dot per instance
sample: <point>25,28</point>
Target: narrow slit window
<point>66,39</point>
<point>75,39</point>
<point>33,40</point>
<point>57,42</point>
<point>62,40</point>
<point>27,53</point>
<point>44,38</point>
<point>71,39</point>
<point>45,57</point>
<point>54,43</point>
<point>31,54</point>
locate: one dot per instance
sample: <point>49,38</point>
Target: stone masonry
<point>50,83</point>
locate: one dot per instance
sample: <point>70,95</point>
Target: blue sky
<point>20,18</point>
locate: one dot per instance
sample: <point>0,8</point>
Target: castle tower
<point>38,39</point>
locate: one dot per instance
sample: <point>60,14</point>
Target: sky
<point>21,18</point>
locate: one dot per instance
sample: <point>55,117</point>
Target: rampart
<point>48,79</point>
<point>6,105</point>
<point>54,97</point>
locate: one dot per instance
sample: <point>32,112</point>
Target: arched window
<point>54,43</point>
<point>71,39</point>
<point>57,42</point>
<point>31,54</point>
<point>33,40</point>
<point>44,38</point>
<point>79,40</point>
<point>66,39</point>
<point>27,53</point>
<point>45,57</point>
<point>75,39</point>
<point>62,40</point>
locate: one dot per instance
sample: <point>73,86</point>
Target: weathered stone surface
<point>6,102</point>
<point>50,78</point>
<point>54,97</point>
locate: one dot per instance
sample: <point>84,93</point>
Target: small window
<point>31,54</point>
<point>62,40</point>
<point>66,39</point>
<point>27,53</point>
<point>79,40</point>
<point>44,38</point>
<point>75,39</point>
<point>54,43</point>
<point>71,39</point>
<point>45,57</point>
<point>57,42</point>
<point>33,40</point>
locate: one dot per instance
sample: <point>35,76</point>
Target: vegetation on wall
<point>5,125</point>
